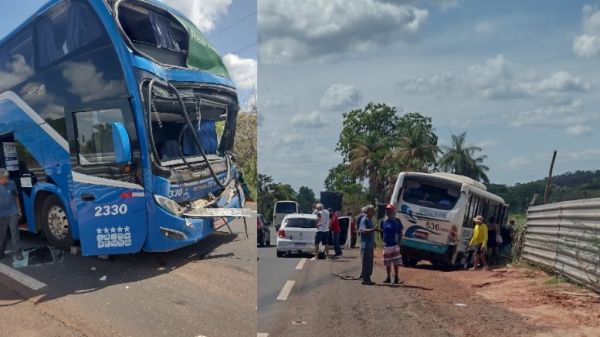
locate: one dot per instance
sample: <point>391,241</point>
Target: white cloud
<point>497,78</point>
<point>243,71</point>
<point>560,114</point>
<point>203,14</point>
<point>584,155</point>
<point>587,44</point>
<point>578,130</point>
<point>314,119</point>
<point>340,96</point>
<point>291,30</point>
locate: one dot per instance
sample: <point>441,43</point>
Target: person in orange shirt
<point>478,242</point>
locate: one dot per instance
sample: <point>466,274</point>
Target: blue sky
<point>229,24</point>
<point>520,77</point>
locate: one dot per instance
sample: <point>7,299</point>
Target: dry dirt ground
<point>535,303</point>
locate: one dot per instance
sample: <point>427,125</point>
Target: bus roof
<point>290,201</point>
<point>466,183</point>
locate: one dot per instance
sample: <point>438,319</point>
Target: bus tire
<point>408,262</point>
<point>55,223</point>
<point>279,254</point>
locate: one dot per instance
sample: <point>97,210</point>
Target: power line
<point>253,14</point>
<point>245,48</point>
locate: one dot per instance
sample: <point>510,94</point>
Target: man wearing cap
<point>392,234</point>
<point>322,235</point>
<point>478,242</point>
<point>10,212</point>
<point>367,244</point>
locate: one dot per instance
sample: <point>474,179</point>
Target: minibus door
<point>108,198</point>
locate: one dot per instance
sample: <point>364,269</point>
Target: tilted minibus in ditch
<point>437,212</point>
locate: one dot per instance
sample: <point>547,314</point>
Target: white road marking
<point>262,334</point>
<point>25,280</point>
<point>301,263</point>
<point>285,291</point>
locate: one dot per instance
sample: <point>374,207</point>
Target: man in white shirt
<point>322,235</point>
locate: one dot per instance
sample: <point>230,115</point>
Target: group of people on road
<point>391,230</point>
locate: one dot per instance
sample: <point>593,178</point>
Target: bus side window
<point>16,60</point>
<point>65,30</point>
<point>94,135</point>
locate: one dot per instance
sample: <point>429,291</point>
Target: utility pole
<point>549,180</point>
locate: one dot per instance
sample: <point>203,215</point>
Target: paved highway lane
<point>273,275</point>
<point>208,289</point>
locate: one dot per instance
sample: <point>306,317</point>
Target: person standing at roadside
<point>334,225</point>
<point>392,235</point>
<point>367,244</point>
<point>478,242</point>
<point>10,212</point>
<point>322,236</point>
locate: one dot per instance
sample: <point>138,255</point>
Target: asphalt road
<point>208,289</point>
<point>273,273</point>
<point>323,299</point>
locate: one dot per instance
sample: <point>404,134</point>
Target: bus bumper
<point>168,232</point>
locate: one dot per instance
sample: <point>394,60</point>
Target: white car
<point>297,234</point>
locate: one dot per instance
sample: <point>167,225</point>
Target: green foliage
<point>306,199</point>
<point>460,158</point>
<point>270,192</point>
<point>567,186</point>
<point>245,149</point>
<point>376,144</point>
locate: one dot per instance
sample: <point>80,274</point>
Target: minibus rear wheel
<point>55,223</point>
<point>408,262</point>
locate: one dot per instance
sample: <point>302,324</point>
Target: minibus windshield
<point>430,194</point>
<point>285,207</point>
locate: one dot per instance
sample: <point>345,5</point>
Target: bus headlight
<point>168,205</point>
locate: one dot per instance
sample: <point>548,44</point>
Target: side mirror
<point>121,144</point>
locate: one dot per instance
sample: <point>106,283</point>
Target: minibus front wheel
<point>55,223</point>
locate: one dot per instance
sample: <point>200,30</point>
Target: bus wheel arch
<point>53,220</point>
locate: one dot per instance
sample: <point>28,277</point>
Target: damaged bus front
<point>123,119</point>
<point>190,106</point>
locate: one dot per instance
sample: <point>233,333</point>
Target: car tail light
<point>281,233</point>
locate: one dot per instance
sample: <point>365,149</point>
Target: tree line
<point>377,143</point>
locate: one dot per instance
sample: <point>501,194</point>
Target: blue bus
<point>117,123</point>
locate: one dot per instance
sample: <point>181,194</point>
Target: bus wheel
<point>408,262</point>
<point>55,223</point>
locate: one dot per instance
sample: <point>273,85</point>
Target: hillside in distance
<point>566,186</point>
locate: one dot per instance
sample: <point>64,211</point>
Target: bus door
<point>107,195</point>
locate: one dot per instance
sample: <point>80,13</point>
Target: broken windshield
<point>168,38</point>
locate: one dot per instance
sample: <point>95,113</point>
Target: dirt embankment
<point>513,300</point>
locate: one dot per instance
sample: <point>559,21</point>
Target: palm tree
<point>366,162</point>
<point>416,151</point>
<point>460,158</point>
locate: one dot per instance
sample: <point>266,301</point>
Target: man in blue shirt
<point>392,234</point>
<point>367,244</point>
<point>10,212</point>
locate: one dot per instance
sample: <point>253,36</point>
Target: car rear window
<point>300,223</point>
